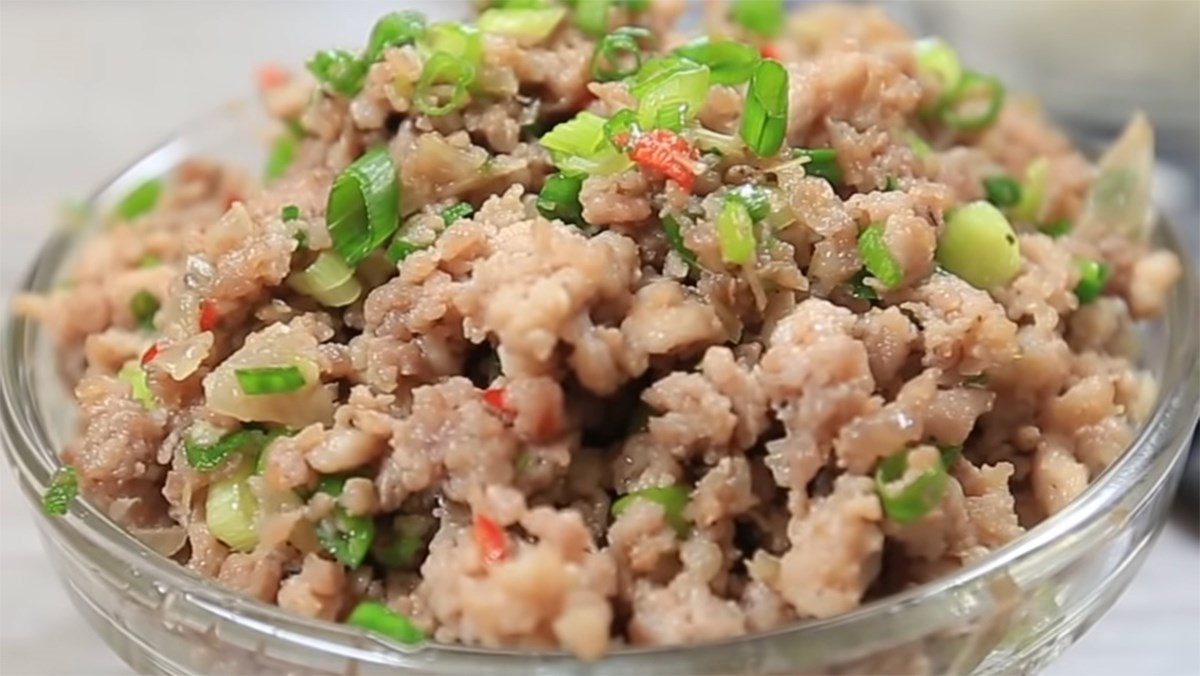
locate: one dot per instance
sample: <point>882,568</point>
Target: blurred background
<point>85,87</point>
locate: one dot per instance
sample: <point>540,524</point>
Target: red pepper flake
<point>271,76</point>
<point>150,353</point>
<point>491,540</point>
<point>494,397</point>
<point>769,51</point>
<point>666,152</point>
<point>208,315</point>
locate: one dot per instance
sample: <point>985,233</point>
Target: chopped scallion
<point>822,163</point>
<point>756,198</point>
<point>289,213</point>
<point>283,151</point>
<point>908,502</point>
<point>761,17</point>
<point>764,121</point>
<point>63,488</point>
<point>339,70</point>
<point>591,16</point>
<point>231,510</point>
<point>735,232</point>
<point>134,375</point>
<point>140,200</point>
<point>1033,191</point>
<point>376,617</point>
<point>728,62</point>
<point>395,29</point>
<point>270,379</point>
<point>348,538</point>
<point>456,39</point>
<point>1093,276</point>
<point>978,244</point>
<point>673,499</point>
<point>207,457</point>
<point>456,211</point>
<point>939,60</point>
<point>675,239</point>
<point>144,306</point>
<point>1059,228</point>
<point>559,199</point>
<point>622,129</point>
<point>973,104</point>
<point>444,85</point>
<point>579,146</point>
<point>328,280</point>
<point>618,54</point>
<point>527,25</point>
<point>363,206</point>
<point>1002,191</point>
<point>877,259</point>
<point>669,83</point>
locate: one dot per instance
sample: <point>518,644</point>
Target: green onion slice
<point>764,121</point>
<point>669,83</point>
<point>675,239</point>
<point>559,199</point>
<point>270,379</point>
<point>283,151</point>
<point>143,306</point>
<point>63,488</point>
<point>618,54</point>
<point>978,244</point>
<point>348,538</point>
<point>939,60</point>
<point>1003,191</point>
<point>756,198</point>
<point>728,62</point>
<point>973,104</point>
<point>735,232</point>
<point>456,211</point>
<point>140,200</point>
<point>877,259</point>
<point>859,288</point>
<point>1093,276</point>
<point>622,129</point>
<point>363,206</point>
<point>395,29</point>
<point>134,375</point>
<point>673,499</point>
<point>762,17</point>
<point>378,618</point>
<point>456,39</point>
<point>822,163</point>
<point>1033,191</point>
<point>339,70</point>
<point>231,510</point>
<point>1059,228</point>
<point>579,146</point>
<point>908,502</point>
<point>327,279</point>
<point>289,213</point>
<point>207,457</point>
<point>444,85</point>
<point>591,16</point>
<point>527,25</point>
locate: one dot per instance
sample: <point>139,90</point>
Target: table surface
<point>86,86</point>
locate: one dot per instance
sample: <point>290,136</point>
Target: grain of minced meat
<point>664,349</point>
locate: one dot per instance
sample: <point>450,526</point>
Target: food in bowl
<point>559,330</point>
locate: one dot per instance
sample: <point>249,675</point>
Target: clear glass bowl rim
<point>34,460</point>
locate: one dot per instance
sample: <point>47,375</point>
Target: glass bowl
<point>1013,611</point>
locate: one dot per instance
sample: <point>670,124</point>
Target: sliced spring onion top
<point>207,457</point>
<point>1003,191</point>
<point>579,146</point>
<point>376,617</point>
<point>728,62</point>
<point>140,200</point>
<point>559,199</point>
<point>289,213</point>
<point>822,162</point>
<point>444,85</point>
<point>622,129</point>
<point>134,375</point>
<point>1059,228</point>
<point>939,60</point>
<point>735,232</point>
<point>456,39</point>
<point>764,121</point>
<point>283,151</point>
<point>973,104</point>
<point>456,211</point>
<point>675,238</point>
<point>618,54</point>
<point>363,206</point>
<point>270,379</point>
<point>395,29</point>
<point>1033,191</point>
<point>63,488</point>
<point>231,510</point>
<point>756,198</point>
<point>908,502</point>
<point>339,70</point>
<point>673,499</point>
<point>1093,276</point>
<point>877,259</point>
<point>328,280</point>
<point>762,17</point>
<point>143,306</point>
<point>591,16</point>
<point>528,25</point>
<point>978,244</point>
<point>669,83</point>
<point>348,538</point>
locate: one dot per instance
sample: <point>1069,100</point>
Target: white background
<point>86,86</point>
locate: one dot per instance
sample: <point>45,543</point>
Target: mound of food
<point>557,330</point>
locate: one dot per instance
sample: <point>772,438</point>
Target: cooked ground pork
<point>583,420</point>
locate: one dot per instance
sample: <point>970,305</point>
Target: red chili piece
<point>490,539</point>
<point>271,76</point>
<point>150,353</point>
<point>494,397</point>
<point>208,315</point>
<point>666,152</point>
<point>769,51</point>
